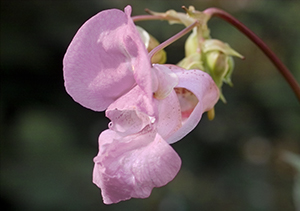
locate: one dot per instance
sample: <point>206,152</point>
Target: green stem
<point>267,51</point>
<point>150,17</point>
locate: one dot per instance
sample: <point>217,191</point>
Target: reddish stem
<point>267,51</point>
<point>145,17</point>
<point>173,39</point>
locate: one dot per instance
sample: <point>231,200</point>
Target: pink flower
<point>150,106</point>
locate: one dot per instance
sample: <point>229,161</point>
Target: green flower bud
<point>218,65</point>
<point>192,44</point>
<point>192,61</point>
<point>150,43</point>
<point>174,17</point>
<point>227,77</point>
<point>218,62</point>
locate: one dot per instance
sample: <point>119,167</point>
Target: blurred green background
<point>231,163</point>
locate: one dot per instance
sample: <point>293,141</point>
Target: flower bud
<point>192,61</point>
<point>218,62</point>
<point>191,44</point>
<point>218,65</point>
<point>150,43</point>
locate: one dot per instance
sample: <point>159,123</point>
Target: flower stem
<point>267,51</point>
<point>173,39</point>
<point>150,17</point>
<point>146,17</point>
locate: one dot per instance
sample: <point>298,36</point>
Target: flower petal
<point>127,122</point>
<point>140,61</point>
<point>101,61</point>
<point>169,115</point>
<point>206,91</point>
<point>187,100</point>
<point>166,80</point>
<point>135,99</point>
<point>132,166</point>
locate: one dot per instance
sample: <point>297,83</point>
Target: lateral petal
<point>169,115</point>
<point>166,79</point>
<point>206,91</point>
<point>135,99</point>
<point>130,167</point>
<point>127,122</point>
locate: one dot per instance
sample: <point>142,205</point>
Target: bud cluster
<point>201,51</point>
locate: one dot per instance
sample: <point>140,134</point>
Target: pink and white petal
<point>166,79</point>
<point>187,100</point>
<point>131,167</point>
<point>140,61</point>
<point>206,91</point>
<point>127,122</point>
<point>169,115</point>
<point>100,61</point>
<point>135,99</point>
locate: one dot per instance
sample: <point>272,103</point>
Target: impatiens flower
<point>150,106</point>
<point>134,153</point>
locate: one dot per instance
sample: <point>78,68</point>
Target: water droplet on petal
<point>152,119</point>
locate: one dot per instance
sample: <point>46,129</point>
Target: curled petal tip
<point>128,10</point>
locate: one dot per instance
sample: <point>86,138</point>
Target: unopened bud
<point>217,45</point>
<point>218,65</point>
<point>218,62</point>
<point>150,43</point>
<point>192,61</point>
<point>191,44</point>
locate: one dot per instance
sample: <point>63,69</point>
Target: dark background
<point>231,163</point>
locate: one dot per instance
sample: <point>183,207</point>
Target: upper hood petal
<point>105,59</point>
